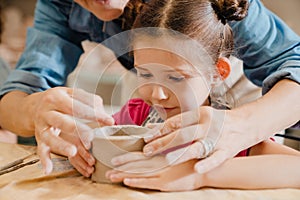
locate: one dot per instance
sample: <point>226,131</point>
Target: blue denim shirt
<point>270,50</point>
<point>4,71</point>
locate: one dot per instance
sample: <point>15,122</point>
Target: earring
<point>223,66</point>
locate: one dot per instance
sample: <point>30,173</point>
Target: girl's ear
<point>224,67</point>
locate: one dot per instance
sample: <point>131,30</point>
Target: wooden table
<point>29,182</point>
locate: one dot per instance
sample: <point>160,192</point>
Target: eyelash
<point>176,79</point>
<point>173,78</point>
<point>145,75</point>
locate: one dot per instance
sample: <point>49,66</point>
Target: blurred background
<point>18,15</point>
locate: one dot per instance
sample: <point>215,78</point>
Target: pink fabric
<point>135,112</point>
<point>243,153</point>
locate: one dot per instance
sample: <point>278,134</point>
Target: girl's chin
<point>168,114</point>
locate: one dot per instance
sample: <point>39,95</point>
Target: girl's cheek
<point>144,92</point>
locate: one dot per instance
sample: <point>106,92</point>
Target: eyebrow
<point>137,66</point>
<point>181,71</point>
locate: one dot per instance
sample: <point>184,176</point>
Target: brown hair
<point>202,20</point>
<point>130,13</point>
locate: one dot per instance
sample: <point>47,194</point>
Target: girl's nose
<point>159,92</point>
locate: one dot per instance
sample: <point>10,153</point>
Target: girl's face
<point>105,10</point>
<point>169,83</point>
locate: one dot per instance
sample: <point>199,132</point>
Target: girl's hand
<point>139,171</point>
<point>59,126</point>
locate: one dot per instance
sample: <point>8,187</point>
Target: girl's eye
<point>145,75</point>
<point>176,79</point>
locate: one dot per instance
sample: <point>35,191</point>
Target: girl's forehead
<point>164,59</point>
<point>148,55</point>
<point>165,49</point>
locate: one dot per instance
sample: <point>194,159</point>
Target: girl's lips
<point>163,110</point>
<point>168,109</point>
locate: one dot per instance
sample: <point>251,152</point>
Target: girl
<point>181,57</point>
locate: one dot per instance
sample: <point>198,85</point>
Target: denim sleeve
<point>4,71</point>
<point>52,51</point>
<point>269,49</point>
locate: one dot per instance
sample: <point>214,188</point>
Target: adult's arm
<point>52,52</point>
<point>28,107</point>
<point>270,50</point>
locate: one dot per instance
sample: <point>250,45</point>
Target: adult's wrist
<point>242,122</point>
<point>14,114</point>
<point>30,110</point>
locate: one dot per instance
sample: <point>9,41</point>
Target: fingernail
<point>72,151</point>
<point>107,174</point>
<point>109,121</point>
<point>87,144</point>
<point>148,150</point>
<point>115,161</point>
<point>165,130</point>
<point>113,176</point>
<point>90,170</point>
<point>148,138</point>
<point>48,169</point>
<point>91,161</point>
<point>199,169</point>
<point>128,181</point>
<point>171,157</point>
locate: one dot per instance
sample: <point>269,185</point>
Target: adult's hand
<point>218,134</point>
<point>229,131</point>
<point>56,117</point>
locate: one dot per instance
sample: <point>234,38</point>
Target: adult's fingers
<point>44,153</point>
<point>51,139</point>
<point>172,124</point>
<point>86,155</point>
<point>177,122</point>
<point>180,121</point>
<point>89,106</point>
<point>194,151</point>
<point>68,125</point>
<point>75,102</point>
<point>48,141</point>
<point>155,131</point>
<point>176,139</point>
<point>81,165</point>
<point>83,161</point>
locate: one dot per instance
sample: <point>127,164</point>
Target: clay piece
<point>111,141</point>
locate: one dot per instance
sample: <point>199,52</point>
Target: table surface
<point>66,183</point>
